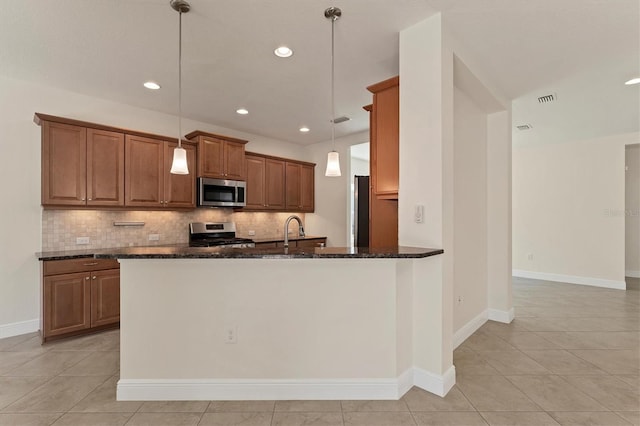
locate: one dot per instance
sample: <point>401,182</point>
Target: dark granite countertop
<point>76,254</point>
<point>66,254</point>
<point>185,252</point>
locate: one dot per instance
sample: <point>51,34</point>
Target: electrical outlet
<point>231,334</point>
<point>460,300</point>
<point>154,237</point>
<point>530,256</point>
<point>82,240</point>
<point>252,233</point>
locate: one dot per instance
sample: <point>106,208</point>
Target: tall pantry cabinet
<point>384,162</point>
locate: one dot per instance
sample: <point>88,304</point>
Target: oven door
<point>221,193</point>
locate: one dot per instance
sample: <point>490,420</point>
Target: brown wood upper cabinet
<point>219,157</point>
<point>149,182</point>
<point>280,184</point>
<point>300,187</point>
<point>265,183</point>
<point>81,166</point>
<point>384,163</point>
<point>384,143</point>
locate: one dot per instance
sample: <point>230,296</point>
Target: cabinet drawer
<point>312,242</point>
<point>67,266</point>
<point>266,245</point>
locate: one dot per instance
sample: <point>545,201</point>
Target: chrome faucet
<point>286,229</point>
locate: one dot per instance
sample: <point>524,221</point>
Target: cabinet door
<point>292,186</point>
<point>144,172</point>
<point>105,297</point>
<point>64,164</point>
<point>386,115</point>
<point>234,161</point>
<point>179,190</point>
<point>307,188</point>
<point>211,157</point>
<point>274,184</point>
<point>66,303</point>
<point>105,168</point>
<point>255,183</point>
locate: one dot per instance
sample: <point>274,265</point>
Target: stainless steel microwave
<point>221,193</point>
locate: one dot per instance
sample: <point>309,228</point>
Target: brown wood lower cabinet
<point>105,297</point>
<point>79,296</point>
<point>308,242</point>
<point>66,307</point>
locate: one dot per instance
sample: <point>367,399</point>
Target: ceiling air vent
<point>524,127</point>
<point>342,119</point>
<point>547,98</point>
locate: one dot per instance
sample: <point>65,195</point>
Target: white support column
<point>426,178</point>
<point>499,216</point>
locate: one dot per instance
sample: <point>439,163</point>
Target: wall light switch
<point>154,237</point>
<point>82,240</point>
<point>252,233</point>
<point>418,213</point>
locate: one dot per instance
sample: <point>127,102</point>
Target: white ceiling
<point>581,49</point>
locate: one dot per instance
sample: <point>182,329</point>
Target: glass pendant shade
<point>333,165</point>
<point>179,165</point>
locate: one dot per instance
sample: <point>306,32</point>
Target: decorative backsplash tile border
<point>61,228</point>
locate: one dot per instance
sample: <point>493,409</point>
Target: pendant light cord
<point>180,82</point>
<point>333,89</point>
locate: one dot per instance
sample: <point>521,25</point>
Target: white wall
<point>331,216</point>
<point>359,167</point>
<point>20,222</point>
<point>568,211</point>
<point>470,210</point>
<point>632,207</point>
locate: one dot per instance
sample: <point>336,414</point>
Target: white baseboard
<point>234,390</point>
<point>439,385</point>
<point>502,316</point>
<point>405,382</point>
<point>18,328</point>
<point>632,274</point>
<point>469,328</point>
<point>572,279</point>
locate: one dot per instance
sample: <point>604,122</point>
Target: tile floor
<point>571,357</point>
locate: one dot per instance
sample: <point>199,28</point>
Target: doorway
<point>359,161</point>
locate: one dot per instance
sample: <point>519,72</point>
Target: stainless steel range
<point>223,234</point>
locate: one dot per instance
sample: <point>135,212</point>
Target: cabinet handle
<point>82,199</point>
<point>90,264</point>
<point>86,278</point>
<point>94,277</point>
<point>90,199</point>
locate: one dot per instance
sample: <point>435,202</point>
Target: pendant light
<point>179,165</point>
<point>333,158</point>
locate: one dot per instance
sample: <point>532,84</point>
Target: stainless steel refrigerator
<point>361,211</point>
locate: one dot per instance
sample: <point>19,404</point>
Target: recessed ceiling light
<point>242,111</point>
<point>283,52</point>
<point>304,129</point>
<point>152,85</point>
<point>632,81</point>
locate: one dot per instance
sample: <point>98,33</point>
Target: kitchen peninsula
<point>302,323</point>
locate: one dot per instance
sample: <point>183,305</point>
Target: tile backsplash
<point>60,228</point>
